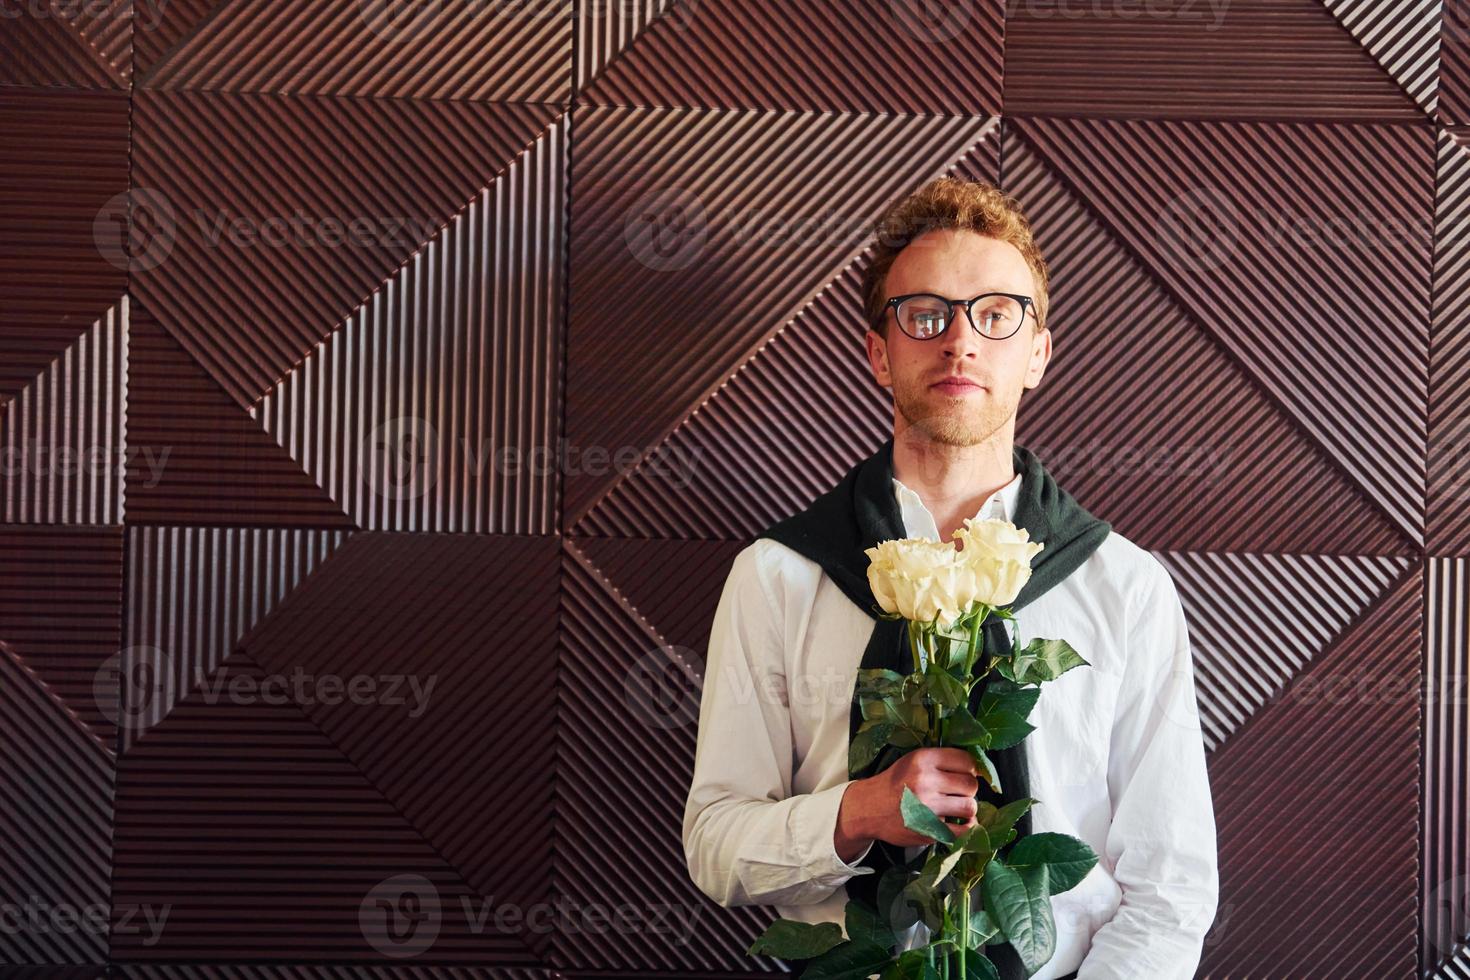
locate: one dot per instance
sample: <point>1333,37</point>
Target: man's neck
<point>952,481</point>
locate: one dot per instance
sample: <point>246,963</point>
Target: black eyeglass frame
<point>1028,305</point>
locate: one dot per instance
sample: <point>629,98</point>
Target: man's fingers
<point>955,760</point>
<point>961,784</point>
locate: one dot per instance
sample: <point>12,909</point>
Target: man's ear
<point>878,358</point>
<point>1040,357</point>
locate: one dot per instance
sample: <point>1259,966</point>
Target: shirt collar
<point>919,523</point>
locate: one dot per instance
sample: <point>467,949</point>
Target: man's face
<point>959,265</point>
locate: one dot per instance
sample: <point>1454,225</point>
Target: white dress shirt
<point>1117,757</point>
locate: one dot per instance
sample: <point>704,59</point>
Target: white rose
<point>920,579</point>
<point>1000,554</point>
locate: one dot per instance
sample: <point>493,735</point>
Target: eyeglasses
<point>925,316</point>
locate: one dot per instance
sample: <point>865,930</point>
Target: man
<point>773,816</point>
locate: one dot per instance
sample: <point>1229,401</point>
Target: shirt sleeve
<point>747,839</point>
<point>1161,843</point>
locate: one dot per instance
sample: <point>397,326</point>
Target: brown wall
<point>329,411</point>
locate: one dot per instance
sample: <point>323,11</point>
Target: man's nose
<point>961,339</point>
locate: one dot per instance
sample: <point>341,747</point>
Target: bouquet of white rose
<point>966,892</point>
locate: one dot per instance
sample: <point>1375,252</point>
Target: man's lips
<point>957,386</point>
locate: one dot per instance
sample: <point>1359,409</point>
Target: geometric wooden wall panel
<point>266,824</point>
<point>1185,460</point>
<point>249,187</point>
<point>199,972</point>
<point>192,594</point>
<point>65,157</point>
<point>198,458</point>
<point>709,478</point>
<point>1309,600</point>
<point>1446,856</point>
<point>384,759</point>
<point>1454,56</point>
<point>1447,501</point>
<point>161,28</point>
<point>1246,59</point>
<point>399,380</point>
<point>756,54</point>
<point>63,436</point>
<point>1313,783</point>
<point>61,611</point>
<point>55,786</point>
<point>511,52</point>
<point>1404,38</point>
<point>389,605</point>
<point>1284,281</point>
<point>631,694</point>
<point>88,45</point>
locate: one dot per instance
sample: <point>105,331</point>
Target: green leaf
<point>944,687</point>
<point>948,862</point>
<point>964,729</point>
<point>903,738</point>
<point>928,902</point>
<point>850,961</point>
<point>922,820</point>
<point>912,964</point>
<point>1003,715</point>
<point>982,926</point>
<point>791,939</point>
<point>865,745</point>
<point>865,926</point>
<point>1041,660</point>
<point>998,822</point>
<point>1021,905</point>
<point>891,901</point>
<point>912,711</point>
<point>1005,695</point>
<point>876,710</point>
<point>1067,860</point>
<point>977,966</point>
<point>879,680</point>
<point>986,766</point>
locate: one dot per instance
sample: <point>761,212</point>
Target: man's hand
<point>944,780</point>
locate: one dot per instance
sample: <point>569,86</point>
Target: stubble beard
<point>945,421</point>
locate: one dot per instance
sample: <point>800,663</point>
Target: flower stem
<point>964,928</point>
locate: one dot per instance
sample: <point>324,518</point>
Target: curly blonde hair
<point>950,202</point>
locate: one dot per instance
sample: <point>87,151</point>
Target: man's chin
<point>948,429</point>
